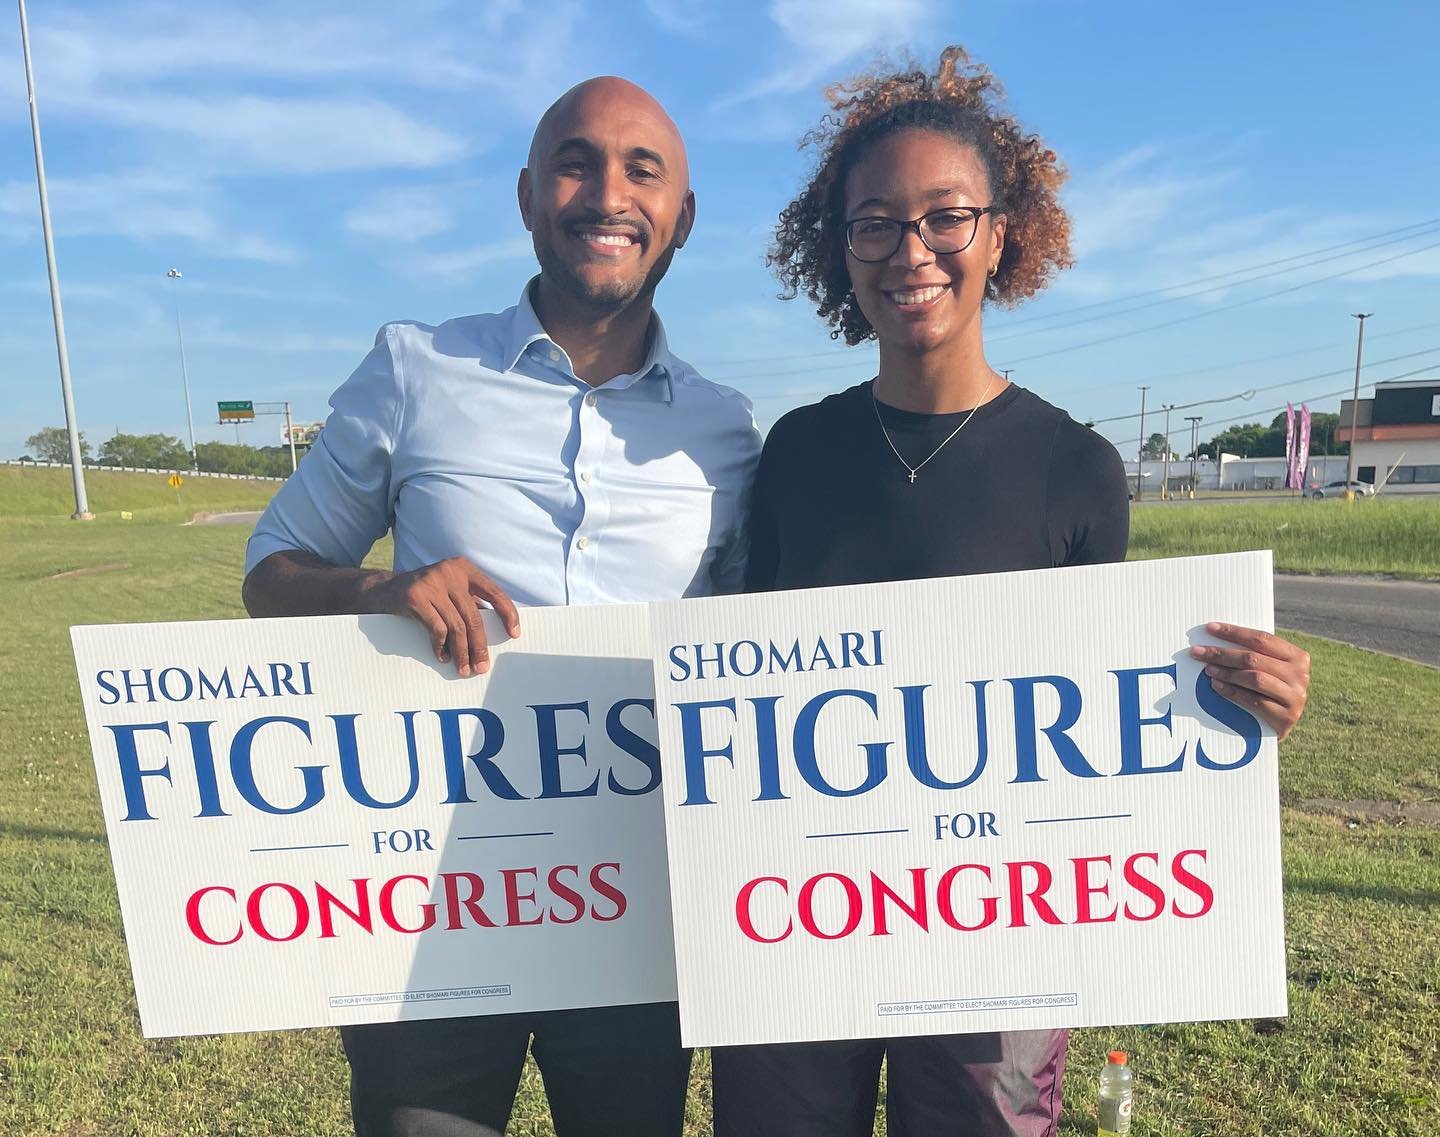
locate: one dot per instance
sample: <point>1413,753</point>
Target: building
<point>1397,436</point>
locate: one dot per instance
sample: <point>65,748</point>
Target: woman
<point>927,201</point>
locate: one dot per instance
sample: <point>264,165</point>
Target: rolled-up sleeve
<point>340,500</point>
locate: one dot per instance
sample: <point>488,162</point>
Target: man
<point>555,453</point>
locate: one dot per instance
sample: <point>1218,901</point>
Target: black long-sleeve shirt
<point>1022,486</point>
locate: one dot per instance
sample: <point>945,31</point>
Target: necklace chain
<point>915,470</point>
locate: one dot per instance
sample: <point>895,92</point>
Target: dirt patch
<point>1425,814</point>
<point>93,570</point>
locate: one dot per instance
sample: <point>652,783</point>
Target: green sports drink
<point>1116,1096</point>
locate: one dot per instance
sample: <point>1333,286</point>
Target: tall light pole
<point>1165,479</point>
<point>1140,458</point>
<point>1355,404</point>
<point>77,470</point>
<point>1194,421</point>
<point>175,275</point>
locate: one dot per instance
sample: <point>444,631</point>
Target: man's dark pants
<point>609,1072</point>
<point>960,1085</point>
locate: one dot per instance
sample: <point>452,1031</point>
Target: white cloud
<point>821,35</point>
<point>680,17</point>
<point>463,262</point>
<point>403,215</point>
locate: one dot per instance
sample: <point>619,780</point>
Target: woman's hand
<point>1264,674</point>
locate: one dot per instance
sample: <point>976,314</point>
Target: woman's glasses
<point>872,239</point>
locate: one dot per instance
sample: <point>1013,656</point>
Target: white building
<point>1397,436</point>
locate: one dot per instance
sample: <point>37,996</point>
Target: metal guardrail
<point>142,470</point>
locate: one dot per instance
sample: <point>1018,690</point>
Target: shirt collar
<point>659,368</point>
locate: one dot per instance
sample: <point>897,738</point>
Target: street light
<point>174,274</point>
<point>1349,494</point>
<point>77,472</point>
<point>1165,479</point>
<point>1194,421</point>
<point>1140,458</point>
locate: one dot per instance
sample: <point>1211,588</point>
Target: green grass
<point>1356,1058</point>
<point>36,494</point>
<point>1394,535</point>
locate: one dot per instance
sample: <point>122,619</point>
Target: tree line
<point>1255,440</point>
<point>163,452</point>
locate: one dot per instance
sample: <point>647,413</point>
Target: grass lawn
<point>1356,1058</point>
<point>1395,535</point>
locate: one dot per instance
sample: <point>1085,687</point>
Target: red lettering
<point>1036,895</point>
<point>567,894</point>
<point>742,909</point>
<point>1189,881</point>
<point>1084,890</point>
<point>454,902</point>
<point>514,897</point>
<point>297,900</point>
<point>387,905</point>
<point>1144,885</point>
<point>853,901</point>
<point>917,909</point>
<point>945,900</point>
<point>610,891</point>
<point>192,917</point>
<point>326,901</point>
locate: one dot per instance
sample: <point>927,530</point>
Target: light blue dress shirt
<point>475,438</point>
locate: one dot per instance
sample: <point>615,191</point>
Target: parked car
<point>1337,489</point>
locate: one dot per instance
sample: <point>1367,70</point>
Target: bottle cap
<point>1118,1058</point>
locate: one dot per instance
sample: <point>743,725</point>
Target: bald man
<point>553,453</point>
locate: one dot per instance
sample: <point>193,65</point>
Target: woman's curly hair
<point>963,100</point>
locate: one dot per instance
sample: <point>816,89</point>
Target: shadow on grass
<point>35,833</point>
<point>1420,897</point>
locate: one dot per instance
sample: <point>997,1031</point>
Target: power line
<point>1237,272</point>
<point>1222,308</point>
<point>1252,415</point>
<point>1421,225</point>
<point>1225,287</point>
<point>1288,383</point>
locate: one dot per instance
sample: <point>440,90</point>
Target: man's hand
<point>443,597</point>
<point>1264,674</point>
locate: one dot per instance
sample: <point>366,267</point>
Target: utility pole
<point>1140,458</point>
<point>174,274</point>
<point>1194,421</point>
<point>1165,481</point>
<point>77,470</point>
<point>1349,494</point>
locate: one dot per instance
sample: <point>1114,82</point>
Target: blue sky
<point>316,170</point>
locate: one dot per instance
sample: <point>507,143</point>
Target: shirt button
<point>554,353</point>
<point>583,543</point>
<point>585,477</point>
<point>591,400</point>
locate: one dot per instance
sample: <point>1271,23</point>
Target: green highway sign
<point>239,410</point>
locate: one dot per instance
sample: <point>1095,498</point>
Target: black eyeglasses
<point>872,239</point>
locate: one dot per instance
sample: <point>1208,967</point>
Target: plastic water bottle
<point>1116,1094</point>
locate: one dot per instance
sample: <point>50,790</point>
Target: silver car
<point>1337,489</point>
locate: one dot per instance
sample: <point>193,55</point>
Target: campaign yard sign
<point>990,803</point>
<point>313,823</point>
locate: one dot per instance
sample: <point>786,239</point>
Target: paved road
<point>1398,617</point>
<point>1394,616</point>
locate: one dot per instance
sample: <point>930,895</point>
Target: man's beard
<point>609,298</point>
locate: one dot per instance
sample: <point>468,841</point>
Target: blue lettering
<point>106,685</point>
<point>492,738</point>
<point>1027,758</point>
<point>132,774</point>
<point>788,660</point>
<point>806,760</point>
<point>350,774</point>
<point>1237,718</point>
<point>916,749</point>
<point>692,744</point>
<point>242,767</point>
<point>634,745</point>
<point>757,654</point>
<point>551,751</point>
<point>215,689</point>
<point>767,748</point>
<point>679,666</point>
<point>1132,747</point>
<point>205,768</point>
